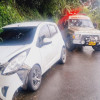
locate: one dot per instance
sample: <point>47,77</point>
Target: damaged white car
<point>27,51</point>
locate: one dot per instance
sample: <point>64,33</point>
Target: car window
<point>65,24</point>
<point>53,30</point>
<point>17,35</point>
<point>81,23</point>
<point>44,33</point>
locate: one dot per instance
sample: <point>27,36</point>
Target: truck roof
<point>79,17</point>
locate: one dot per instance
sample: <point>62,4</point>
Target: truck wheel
<point>63,56</point>
<point>79,48</point>
<point>34,78</point>
<point>69,45</point>
<point>96,48</point>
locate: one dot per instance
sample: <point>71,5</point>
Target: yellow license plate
<point>92,43</point>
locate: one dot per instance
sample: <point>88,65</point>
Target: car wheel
<point>79,48</point>
<point>34,78</point>
<point>63,56</point>
<point>69,45</point>
<point>96,48</point>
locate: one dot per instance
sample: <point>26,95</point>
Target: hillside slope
<point>12,11</point>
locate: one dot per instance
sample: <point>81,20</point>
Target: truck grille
<point>90,38</point>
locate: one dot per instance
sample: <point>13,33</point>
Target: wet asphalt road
<point>78,79</point>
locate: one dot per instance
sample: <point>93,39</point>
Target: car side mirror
<point>65,24</point>
<point>47,41</point>
<point>43,41</point>
<point>95,25</point>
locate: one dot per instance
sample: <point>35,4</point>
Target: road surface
<point>78,79</point>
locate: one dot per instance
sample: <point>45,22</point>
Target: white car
<point>27,51</point>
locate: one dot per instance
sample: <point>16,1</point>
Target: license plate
<point>92,43</point>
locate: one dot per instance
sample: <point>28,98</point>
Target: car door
<point>55,37</point>
<point>46,50</point>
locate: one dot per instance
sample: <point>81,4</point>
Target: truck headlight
<point>15,63</point>
<point>96,38</point>
<point>77,36</point>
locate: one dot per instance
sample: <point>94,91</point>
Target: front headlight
<point>96,38</point>
<point>15,63</point>
<point>77,36</point>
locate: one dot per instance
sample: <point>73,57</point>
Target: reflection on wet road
<point>78,79</point>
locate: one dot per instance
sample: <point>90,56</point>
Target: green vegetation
<point>13,11</point>
<point>8,14</point>
<point>93,14</point>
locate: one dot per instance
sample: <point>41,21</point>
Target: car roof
<point>79,17</point>
<point>26,24</point>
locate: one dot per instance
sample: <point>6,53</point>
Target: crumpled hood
<point>6,52</point>
<point>85,30</point>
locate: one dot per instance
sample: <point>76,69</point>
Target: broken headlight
<point>15,63</point>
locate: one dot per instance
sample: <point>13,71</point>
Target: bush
<point>93,14</point>
<point>8,15</point>
<point>13,11</point>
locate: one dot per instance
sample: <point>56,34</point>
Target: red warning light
<point>67,14</point>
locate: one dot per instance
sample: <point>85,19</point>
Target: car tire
<point>96,48</point>
<point>63,56</point>
<point>34,78</point>
<point>79,48</point>
<point>69,45</point>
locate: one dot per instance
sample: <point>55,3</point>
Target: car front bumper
<point>85,43</point>
<point>8,86</point>
<point>87,40</point>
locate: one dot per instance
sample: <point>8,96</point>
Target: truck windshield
<point>81,23</point>
<point>18,36</point>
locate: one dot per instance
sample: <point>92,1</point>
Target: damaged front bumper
<point>8,86</point>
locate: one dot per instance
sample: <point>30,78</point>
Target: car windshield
<point>17,36</point>
<point>81,23</point>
